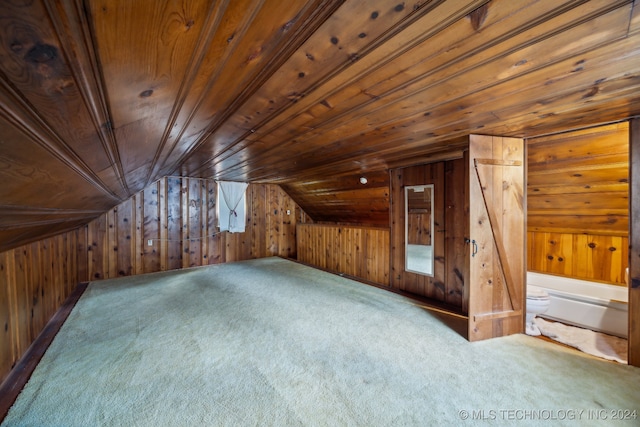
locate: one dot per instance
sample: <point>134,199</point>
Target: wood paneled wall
<point>419,228</point>
<point>362,252</point>
<point>450,223</point>
<point>176,214</point>
<point>584,256</point>
<point>578,203</point>
<point>178,217</point>
<point>35,279</point>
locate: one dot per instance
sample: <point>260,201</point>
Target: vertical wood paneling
<point>192,236</point>
<point>57,257</point>
<point>456,230</point>
<point>22,300</point>
<point>172,224</point>
<point>178,215</point>
<point>124,249</point>
<point>361,252</point>
<point>288,234</point>
<point>112,245</point>
<point>96,246</point>
<point>151,229</point>
<point>583,256</point>
<point>273,218</point>
<point>8,348</point>
<point>164,213</point>
<point>437,287</point>
<point>34,280</point>
<point>11,349</point>
<point>82,254</point>
<point>204,221</point>
<point>258,221</point>
<point>215,247</point>
<point>397,234</point>
<point>450,222</point>
<point>138,243</point>
<point>50,278</point>
<point>36,291</point>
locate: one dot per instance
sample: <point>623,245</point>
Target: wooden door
<point>497,269</point>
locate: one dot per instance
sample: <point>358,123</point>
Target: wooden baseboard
<point>21,372</point>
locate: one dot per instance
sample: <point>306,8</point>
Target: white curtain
<point>231,206</point>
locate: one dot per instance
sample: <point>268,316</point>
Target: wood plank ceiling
<point>99,98</point>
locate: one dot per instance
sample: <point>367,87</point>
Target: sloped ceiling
<point>99,98</point>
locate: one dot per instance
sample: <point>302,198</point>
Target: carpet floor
<point>273,342</point>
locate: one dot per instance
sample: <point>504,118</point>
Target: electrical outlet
<point>149,242</point>
<point>288,212</point>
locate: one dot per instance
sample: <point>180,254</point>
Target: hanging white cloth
<point>232,206</point>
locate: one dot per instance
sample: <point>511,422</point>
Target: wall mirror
<point>418,227</point>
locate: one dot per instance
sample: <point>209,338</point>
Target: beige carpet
<point>595,343</point>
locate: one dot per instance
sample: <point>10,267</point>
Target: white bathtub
<point>596,306</point>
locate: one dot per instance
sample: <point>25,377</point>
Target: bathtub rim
<point>569,287</point>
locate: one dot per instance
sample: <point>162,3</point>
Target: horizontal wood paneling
<point>361,252</point>
<point>178,216</point>
<point>578,203</point>
<point>35,279</point>
<point>577,182</point>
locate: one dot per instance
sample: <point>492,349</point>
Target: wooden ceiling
<point>99,98</point>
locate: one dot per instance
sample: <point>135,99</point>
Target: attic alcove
<point>477,197</point>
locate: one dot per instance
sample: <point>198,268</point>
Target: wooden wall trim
<point>634,245</point>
